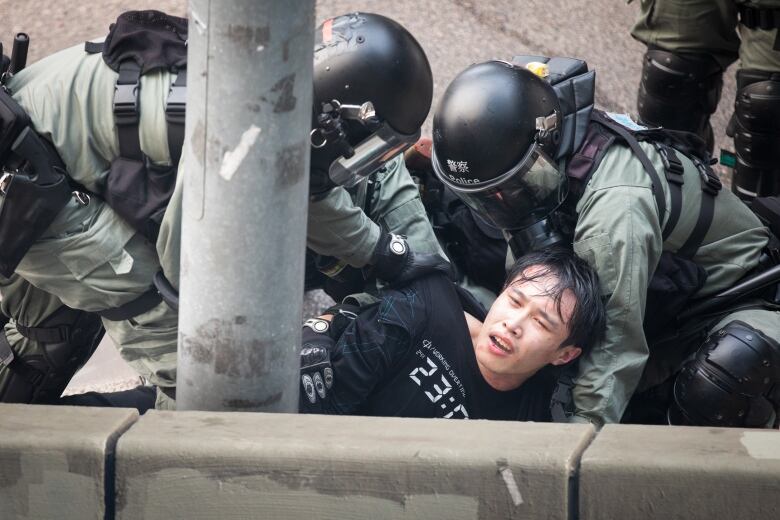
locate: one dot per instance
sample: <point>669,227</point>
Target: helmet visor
<point>370,155</point>
<point>522,196</point>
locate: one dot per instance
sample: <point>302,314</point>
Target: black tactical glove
<point>395,263</point>
<point>316,370</point>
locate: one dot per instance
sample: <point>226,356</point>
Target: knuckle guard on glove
<point>316,370</point>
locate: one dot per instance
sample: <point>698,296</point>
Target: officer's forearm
<point>338,228</point>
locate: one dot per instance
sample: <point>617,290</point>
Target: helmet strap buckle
<point>331,128</point>
<point>548,135</point>
<point>547,123</point>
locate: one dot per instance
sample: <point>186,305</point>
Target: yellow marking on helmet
<point>539,68</point>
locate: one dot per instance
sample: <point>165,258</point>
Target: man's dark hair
<point>588,318</point>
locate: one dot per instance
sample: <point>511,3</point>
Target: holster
<point>26,211</point>
<point>32,195</point>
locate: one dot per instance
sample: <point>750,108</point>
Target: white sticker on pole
<point>233,158</point>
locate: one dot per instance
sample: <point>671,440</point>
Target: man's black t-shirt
<point>411,355</point>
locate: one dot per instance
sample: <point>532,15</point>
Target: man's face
<point>523,332</point>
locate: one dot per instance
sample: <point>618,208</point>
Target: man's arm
<point>338,228</point>
<point>339,374</point>
<point>624,251</point>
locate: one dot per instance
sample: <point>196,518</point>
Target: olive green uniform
<point>618,232</point>
<point>91,259</point>
<point>709,27</point>
<point>395,206</point>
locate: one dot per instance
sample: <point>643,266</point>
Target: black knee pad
<point>66,341</point>
<point>756,132</point>
<point>728,381</point>
<point>679,91</point>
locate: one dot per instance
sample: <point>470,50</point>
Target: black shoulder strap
<point>710,186</point>
<point>631,141</point>
<point>127,113</point>
<point>140,42</point>
<point>586,159</point>
<point>175,109</point>
<point>126,110</point>
<point>673,170</point>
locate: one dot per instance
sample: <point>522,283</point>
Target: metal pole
<point>245,202</point>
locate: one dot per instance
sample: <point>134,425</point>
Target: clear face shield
<point>526,194</point>
<point>353,165</point>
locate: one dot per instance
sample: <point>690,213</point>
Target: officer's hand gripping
<point>394,262</point>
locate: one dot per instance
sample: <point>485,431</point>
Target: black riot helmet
<point>372,92</point>
<point>495,133</point>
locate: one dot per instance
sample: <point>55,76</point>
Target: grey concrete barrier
<point>679,472</point>
<point>56,461</point>
<point>242,465</point>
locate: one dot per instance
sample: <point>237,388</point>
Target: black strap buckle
<point>710,182</point>
<point>126,103</point>
<point>672,165</point>
<point>5,183</point>
<point>562,402</point>
<point>82,197</point>
<point>176,105</point>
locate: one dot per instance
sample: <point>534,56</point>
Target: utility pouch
<point>138,43</point>
<point>33,186</point>
<point>26,211</point>
<point>13,119</point>
<point>139,193</point>
<point>674,283</point>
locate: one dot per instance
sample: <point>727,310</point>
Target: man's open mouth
<point>499,343</point>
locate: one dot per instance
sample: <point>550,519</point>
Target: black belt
<point>764,18</point>
<point>147,301</point>
<point>45,334</point>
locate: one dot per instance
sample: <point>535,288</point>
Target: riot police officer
<point>689,45</point>
<point>372,92</point>
<point>528,151</point>
<point>100,254</point>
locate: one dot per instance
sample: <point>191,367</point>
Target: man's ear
<point>566,354</point>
